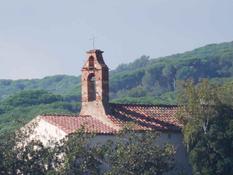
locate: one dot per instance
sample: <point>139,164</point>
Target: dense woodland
<point>144,78</point>
<point>151,81</point>
<point>177,79</point>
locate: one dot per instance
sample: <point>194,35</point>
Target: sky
<point>48,37</point>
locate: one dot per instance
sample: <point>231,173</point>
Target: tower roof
<point>95,51</point>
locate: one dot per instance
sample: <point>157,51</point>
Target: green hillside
<point>20,108</point>
<point>143,81</point>
<point>155,80</point>
<point>59,84</point>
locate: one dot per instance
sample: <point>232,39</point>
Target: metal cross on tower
<point>93,41</point>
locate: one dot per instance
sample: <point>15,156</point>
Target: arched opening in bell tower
<point>91,87</point>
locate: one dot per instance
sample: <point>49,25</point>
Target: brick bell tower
<point>95,88</point>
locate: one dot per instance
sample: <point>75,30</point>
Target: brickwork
<point>95,67</point>
<point>95,87</point>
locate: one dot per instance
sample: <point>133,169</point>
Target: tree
<point>79,155</point>
<point>17,157</point>
<point>208,128</point>
<point>138,153</point>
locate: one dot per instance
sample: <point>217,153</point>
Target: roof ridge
<point>143,105</point>
<point>60,115</point>
<point>70,124</point>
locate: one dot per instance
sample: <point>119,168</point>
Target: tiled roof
<point>146,117</point>
<point>143,117</point>
<point>70,124</point>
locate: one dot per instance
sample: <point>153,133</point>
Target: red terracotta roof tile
<point>146,117</point>
<point>143,117</point>
<point>70,124</point>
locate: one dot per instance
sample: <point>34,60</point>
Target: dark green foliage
<point>80,156</point>
<point>138,63</point>
<point>212,154</point>
<point>150,81</point>
<point>134,153</point>
<point>207,115</point>
<point>32,158</point>
<point>130,153</point>
<point>151,77</point>
<point>32,97</point>
<point>208,131</point>
<point>20,108</point>
<point>67,86</point>
<point>160,76</point>
<point>125,80</point>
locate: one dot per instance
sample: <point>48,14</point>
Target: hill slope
<point>58,84</point>
<point>144,80</point>
<point>21,107</point>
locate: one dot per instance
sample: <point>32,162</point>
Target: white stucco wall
<point>45,132</point>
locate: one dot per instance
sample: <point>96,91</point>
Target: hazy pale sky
<point>47,37</point>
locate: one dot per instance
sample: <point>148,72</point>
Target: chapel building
<point>105,119</point>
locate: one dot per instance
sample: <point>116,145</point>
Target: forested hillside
<point>155,80</point>
<point>143,81</point>
<point>59,84</point>
<point>20,108</point>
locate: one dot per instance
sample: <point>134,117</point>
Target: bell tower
<point>95,85</point>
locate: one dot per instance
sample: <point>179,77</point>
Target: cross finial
<point>93,41</point>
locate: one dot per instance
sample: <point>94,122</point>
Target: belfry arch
<point>91,80</point>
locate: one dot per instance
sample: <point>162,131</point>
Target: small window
<point>91,62</point>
